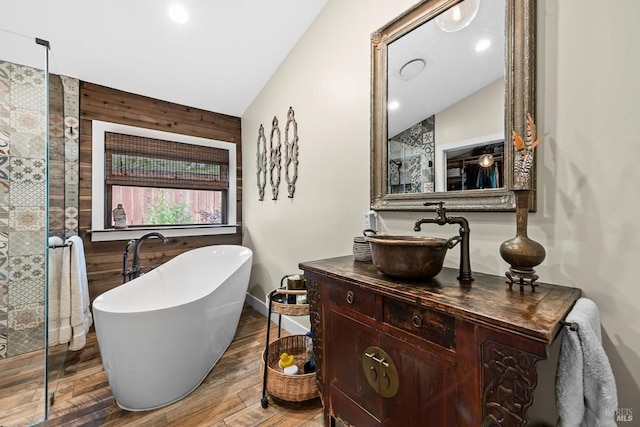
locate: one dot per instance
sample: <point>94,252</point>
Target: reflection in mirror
<point>450,80</point>
<point>445,84</point>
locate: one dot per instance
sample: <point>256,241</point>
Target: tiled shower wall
<point>22,195</point>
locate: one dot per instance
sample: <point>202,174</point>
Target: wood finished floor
<point>228,397</point>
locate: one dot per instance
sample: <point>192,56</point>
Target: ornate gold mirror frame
<point>520,94</point>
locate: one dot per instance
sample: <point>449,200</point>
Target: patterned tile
<point>72,173</point>
<point>26,242</point>
<point>56,200</point>
<point>4,293</point>
<point>26,279</point>
<point>4,268</point>
<point>27,194</point>
<point>71,130</point>
<point>56,148</point>
<point>71,150</point>
<point>5,84</point>
<point>4,316</point>
<point>27,96</point>
<point>71,85</point>
<point>56,125</point>
<point>26,218</point>
<point>26,316</point>
<point>4,69</point>
<point>71,105</point>
<point>56,218</point>
<point>27,121</point>
<point>5,92</point>
<point>25,341</point>
<point>71,96</point>
<point>5,118</point>
<point>27,170</point>
<point>4,168</point>
<point>71,194</point>
<point>4,219</point>
<point>4,193</point>
<point>27,145</point>
<point>71,212</point>
<point>4,321</point>
<point>3,344</point>
<point>56,171</point>
<point>71,224</point>
<point>23,75</point>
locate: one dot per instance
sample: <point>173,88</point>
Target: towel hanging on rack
<point>54,283</point>
<point>585,387</point>
<point>75,315</point>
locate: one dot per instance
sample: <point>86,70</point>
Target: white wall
<point>326,79</point>
<point>483,113</point>
<point>588,110</point>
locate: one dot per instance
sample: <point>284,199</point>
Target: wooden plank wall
<point>104,259</point>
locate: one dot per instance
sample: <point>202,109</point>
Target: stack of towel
<point>75,315</point>
<point>585,387</point>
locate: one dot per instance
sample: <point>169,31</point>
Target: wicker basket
<point>361,248</point>
<point>279,307</point>
<point>292,388</point>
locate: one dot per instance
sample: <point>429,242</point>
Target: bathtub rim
<point>99,302</point>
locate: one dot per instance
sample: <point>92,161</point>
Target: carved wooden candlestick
<point>521,252</point>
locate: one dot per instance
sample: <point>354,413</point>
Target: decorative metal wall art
<point>261,162</point>
<point>276,156</point>
<point>291,153</point>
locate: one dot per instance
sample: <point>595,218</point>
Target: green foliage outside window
<point>162,211</point>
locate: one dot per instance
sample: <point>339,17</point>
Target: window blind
<point>139,161</point>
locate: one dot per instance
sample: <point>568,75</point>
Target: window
<point>164,181</point>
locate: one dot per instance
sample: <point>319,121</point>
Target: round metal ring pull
<point>416,319</point>
<point>350,297</point>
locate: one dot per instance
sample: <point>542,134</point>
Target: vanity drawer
<point>433,326</point>
<point>352,298</point>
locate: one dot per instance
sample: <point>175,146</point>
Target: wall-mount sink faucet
<point>442,219</point>
<point>135,246</point>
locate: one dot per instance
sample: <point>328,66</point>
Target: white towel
<point>64,335</point>
<point>81,319</point>
<point>55,281</point>
<point>75,316</point>
<point>585,387</point>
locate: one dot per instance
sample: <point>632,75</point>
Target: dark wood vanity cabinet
<point>396,353</point>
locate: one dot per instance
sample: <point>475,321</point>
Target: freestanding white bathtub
<point>160,334</point>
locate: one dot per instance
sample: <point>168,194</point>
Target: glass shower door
<point>25,161</point>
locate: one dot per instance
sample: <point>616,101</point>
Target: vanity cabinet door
<point>352,398</point>
<point>427,393</point>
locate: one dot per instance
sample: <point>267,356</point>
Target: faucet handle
<point>440,204</point>
<point>441,210</point>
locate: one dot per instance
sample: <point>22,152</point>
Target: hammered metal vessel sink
<point>409,257</point>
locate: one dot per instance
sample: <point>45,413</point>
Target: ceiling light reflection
<point>178,13</point>
<point>483,45</point>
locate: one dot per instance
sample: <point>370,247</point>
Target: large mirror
<point>451,81</point>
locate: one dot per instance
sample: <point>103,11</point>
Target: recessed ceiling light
<point>412,68</point>
<point>394,105</point>
<point>483,45</point>
<point>178,13</point>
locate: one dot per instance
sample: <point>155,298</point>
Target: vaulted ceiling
<point>218,60</point>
